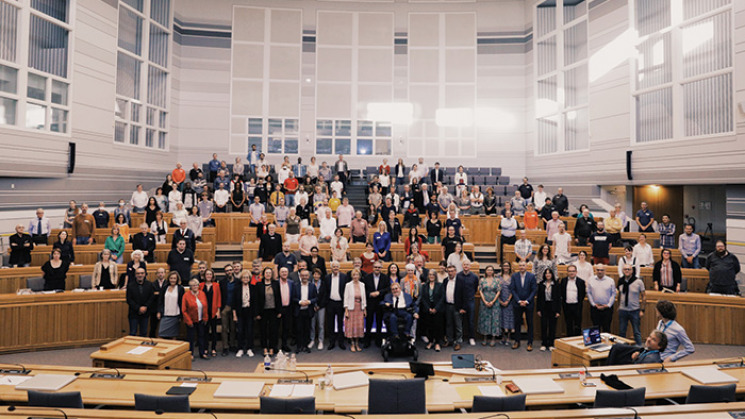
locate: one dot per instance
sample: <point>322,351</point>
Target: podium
<point>571,351</point>
<point>143,353</point>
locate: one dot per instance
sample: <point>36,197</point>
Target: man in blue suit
<point>304,298</point>
<point>523,287</point>
<point>399,306</point>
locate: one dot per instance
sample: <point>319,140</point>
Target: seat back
<point>620,398</point>
<point>396,397</point>
<point>514,403</point>
<point>70,400</point>
<point>86,282</point>
<point>171,404</point>
<point>711,394</point>
<point>295,406</point>
<point>36,284</point>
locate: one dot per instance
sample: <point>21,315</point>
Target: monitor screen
<point>591,336</point>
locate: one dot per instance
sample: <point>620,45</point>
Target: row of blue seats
<point>449,171</point>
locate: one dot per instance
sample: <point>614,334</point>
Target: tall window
<point>684,71</point>
<point>368,137</point>
<point>560,46</point>
<point>34,83</point>
<point>273,135</point>
<point>142,73</point>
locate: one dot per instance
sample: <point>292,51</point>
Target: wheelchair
<point>397,345</point>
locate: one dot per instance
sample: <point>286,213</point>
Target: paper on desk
<point>139,350</point>
<point>10,380</point>
<point>491,391</point>
<point>281,390</point>
<point>538,385</point>
<point>303,390</point>
<point>709,375</point>
<point>248,389</point>
<point>189,385</point>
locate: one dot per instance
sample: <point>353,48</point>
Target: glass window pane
<point>255,126</point>
<point>343,128</point>
<point>163,119</point>
<point>274,145</point>
<point>546,55</point>
<point>120,129</point>
<point>59,92</point>
<point>574,11</point>
<point>575,43</point>
<point>130,31</point>
<point>162,140</point>
<point>59,120</point>
<point>364,147</point>
<point>54,8</point>
<point>652,16</point>
<point>7,111</point>
<point>576,135</point>
<point>291,126</point>
<point>708,106</point>
<point>136,4</point>
<point>654,115</point>
<point>47,49</point>
<point>324,127</point>
<point>546,134</point>
<point>37,87</point>
<point>8,32</point>
<point>323,145</point>
<point>121,108</point>
<point>160,11</point>
<point>365,128</point>
<point>128,76</point>
<point>275,126</point>
<point>156,86</point>
<point>693,8</point>
<point>342,146</point>
<point>36,116</point>
<point>707,45</point>
<point>150,118</point>
<point>158,45</point>
<point>149,137</point>
<point>383,147</point>
<point>291,145</point>
<point>654,61</point>
<point>134,134</point>
<point>8,78</point>
<point>135,115</point>
<point>255,141</point>
<point>545,18</point>
<point>383,129</point>
<point>575,86</point>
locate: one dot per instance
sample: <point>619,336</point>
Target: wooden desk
<point>572,351</point>
<point>166,354</point>
<point>88,254</point>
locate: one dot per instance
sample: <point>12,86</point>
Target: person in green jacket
<point>115,244</point>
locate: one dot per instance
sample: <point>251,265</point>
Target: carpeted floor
<point>500,356</point>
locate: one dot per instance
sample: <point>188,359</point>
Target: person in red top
<point>384,168</point>
<point>291,184</point>
<point>414,237</point>
<point>211,290</point>
<point>530,218</point>
<point>194,308</point>
<point>178,176</point>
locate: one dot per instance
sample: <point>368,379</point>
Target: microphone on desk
<point>587,372</point>
<point>496,415</point>
<point>149,343</point>
<point>205,379</point>
<point>94,373</point>
<point>13,408</point>
<point>22,371</point>
<point>727,364</point>
<point>307,378</point>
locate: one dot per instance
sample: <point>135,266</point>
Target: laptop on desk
<point>593,339</point>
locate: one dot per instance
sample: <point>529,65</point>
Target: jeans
<point>454,324</point>
<point>290,200</point>
<point>694,265</point>
<point>318,321</point>
<point>624,316</point>
<point>138,322</point>
<point>119,258</point>
<point>82,240</point>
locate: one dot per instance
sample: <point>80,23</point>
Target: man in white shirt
<point>344,213</point>
<point>256,210</point>
<point>572,295</point>
<point>39,228</point>
<point>283,173</point>
<point>337,186</point>
<point>335,309</point>
<point>539,198</point>
<point>422,171</point>
<point>552,226</point>
<point>139,200</point>
<point>328,227</point>
<point>562,245</point>
<point>453,305</point>
<point>601,293</point>
<point>221,198</point>
<point>523,247</point>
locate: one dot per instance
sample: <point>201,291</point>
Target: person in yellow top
<point>530,218</point>
<point>334,202</point>
<point>613,226</point>
<point>276,195</point>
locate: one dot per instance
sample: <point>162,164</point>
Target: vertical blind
<point>8,31</point>
<point>47,49</point>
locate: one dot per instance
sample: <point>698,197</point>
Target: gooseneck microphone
<point>307,378</point>
<point>22,371</point>
<point>95,373</point>
<point>204,379</point>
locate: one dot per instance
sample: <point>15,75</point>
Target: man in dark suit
<point>180,260</point>
<point>304,298</point>
<point>399,308</point>
<point>422,198</point>
<point>470,283</point>
<point>140,297</point>
<point>21,246</point>
<point>270,244</point>
<point>454,303</point>
<point>573,293</point>
<point>335,309</point>
<point>436,174</point>
<point>523,287</point>
<point>187,235</point>
<point>319,320</point>
<point>144,241</point>
<point>377,285</point>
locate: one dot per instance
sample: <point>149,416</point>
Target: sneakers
<point>425,339</point>
<point>543,349</point>
<point>311,343</point>
<point>551,348</point>
<point>250,353</point>
<point>472,342</point>
<point>239,353</point>
<point>320,344</point>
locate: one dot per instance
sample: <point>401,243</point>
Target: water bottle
<point>267,362</point>
<point>582,376</point>
<point>293,363</point>
<point>329,376</point>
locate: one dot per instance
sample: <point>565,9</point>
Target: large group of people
<point>294,301</point>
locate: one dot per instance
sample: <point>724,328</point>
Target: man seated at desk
<point>399,307</point>
<point>621,353</point>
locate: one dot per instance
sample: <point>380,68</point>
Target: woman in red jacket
<point>211,290</point>
<point>195,311</point>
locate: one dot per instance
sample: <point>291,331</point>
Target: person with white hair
<point>138,261</point>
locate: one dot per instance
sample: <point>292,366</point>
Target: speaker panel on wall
<point>70,157</point>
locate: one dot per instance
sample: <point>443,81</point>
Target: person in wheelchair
<point>399,309</point>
